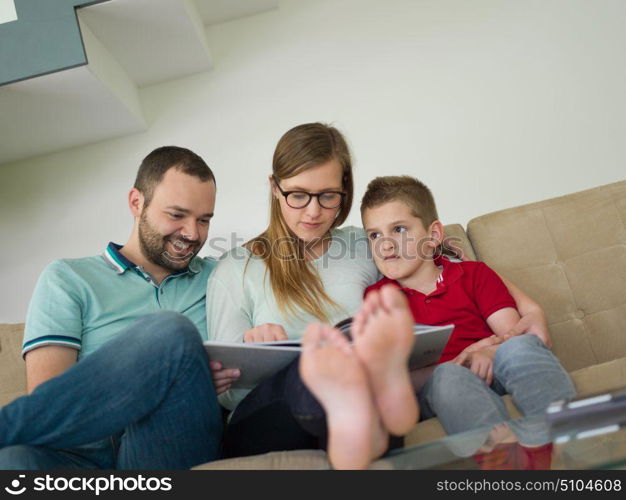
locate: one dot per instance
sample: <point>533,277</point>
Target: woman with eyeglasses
<point>303,268</point>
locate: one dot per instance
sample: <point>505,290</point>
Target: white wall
<point>493,103</point>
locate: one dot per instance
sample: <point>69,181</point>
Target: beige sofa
<point>569,253</point>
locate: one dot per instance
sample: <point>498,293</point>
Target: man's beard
<point>153,246</point>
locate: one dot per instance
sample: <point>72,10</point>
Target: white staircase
<point>129,45</point>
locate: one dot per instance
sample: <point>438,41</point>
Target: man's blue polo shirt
<point>83,303</point>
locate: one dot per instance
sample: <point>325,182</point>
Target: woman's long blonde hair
<point>295,282</point>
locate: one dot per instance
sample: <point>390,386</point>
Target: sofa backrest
<point>569,254</point>
<point>456,239</point>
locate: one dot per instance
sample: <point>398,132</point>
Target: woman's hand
<point>267,332</point>
<point>223,378</point>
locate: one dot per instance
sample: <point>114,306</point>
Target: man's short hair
<point>406,189</point>
<point>158,162</point>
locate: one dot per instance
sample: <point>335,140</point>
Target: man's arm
<point>533,319</point>
<point>47,362</point>
<point>54,324</point>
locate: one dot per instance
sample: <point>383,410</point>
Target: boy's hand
<point>535,324</point>
<point>478,362</point>
<point>223,378</point>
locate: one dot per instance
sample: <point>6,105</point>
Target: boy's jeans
<point>144,400</point>
<point>523,367</point>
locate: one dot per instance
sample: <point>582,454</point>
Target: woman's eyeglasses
<point>300,199</point>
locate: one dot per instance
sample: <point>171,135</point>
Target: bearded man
<point>116,372</point>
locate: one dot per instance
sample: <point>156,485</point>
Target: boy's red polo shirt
<point>467,293</point>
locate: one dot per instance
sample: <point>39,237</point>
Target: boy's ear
<point>135,202</point>
<point>436,232</point>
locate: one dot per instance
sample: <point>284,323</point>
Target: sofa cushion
<point>600,378</point>
<point>12,370</point>
<point>569,254</point>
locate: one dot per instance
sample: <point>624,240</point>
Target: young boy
<point>366,389</point>
<point>401,222</point>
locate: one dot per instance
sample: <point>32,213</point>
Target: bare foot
<point>336,377</point>
<point>383,337</point>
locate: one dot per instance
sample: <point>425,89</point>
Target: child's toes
<point>312,336</point>
<point>392,298</point>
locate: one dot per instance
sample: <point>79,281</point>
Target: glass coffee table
<point>537,443</point>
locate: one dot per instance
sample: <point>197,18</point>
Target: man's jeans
<point>144,400</point>
<point>523,367</point>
